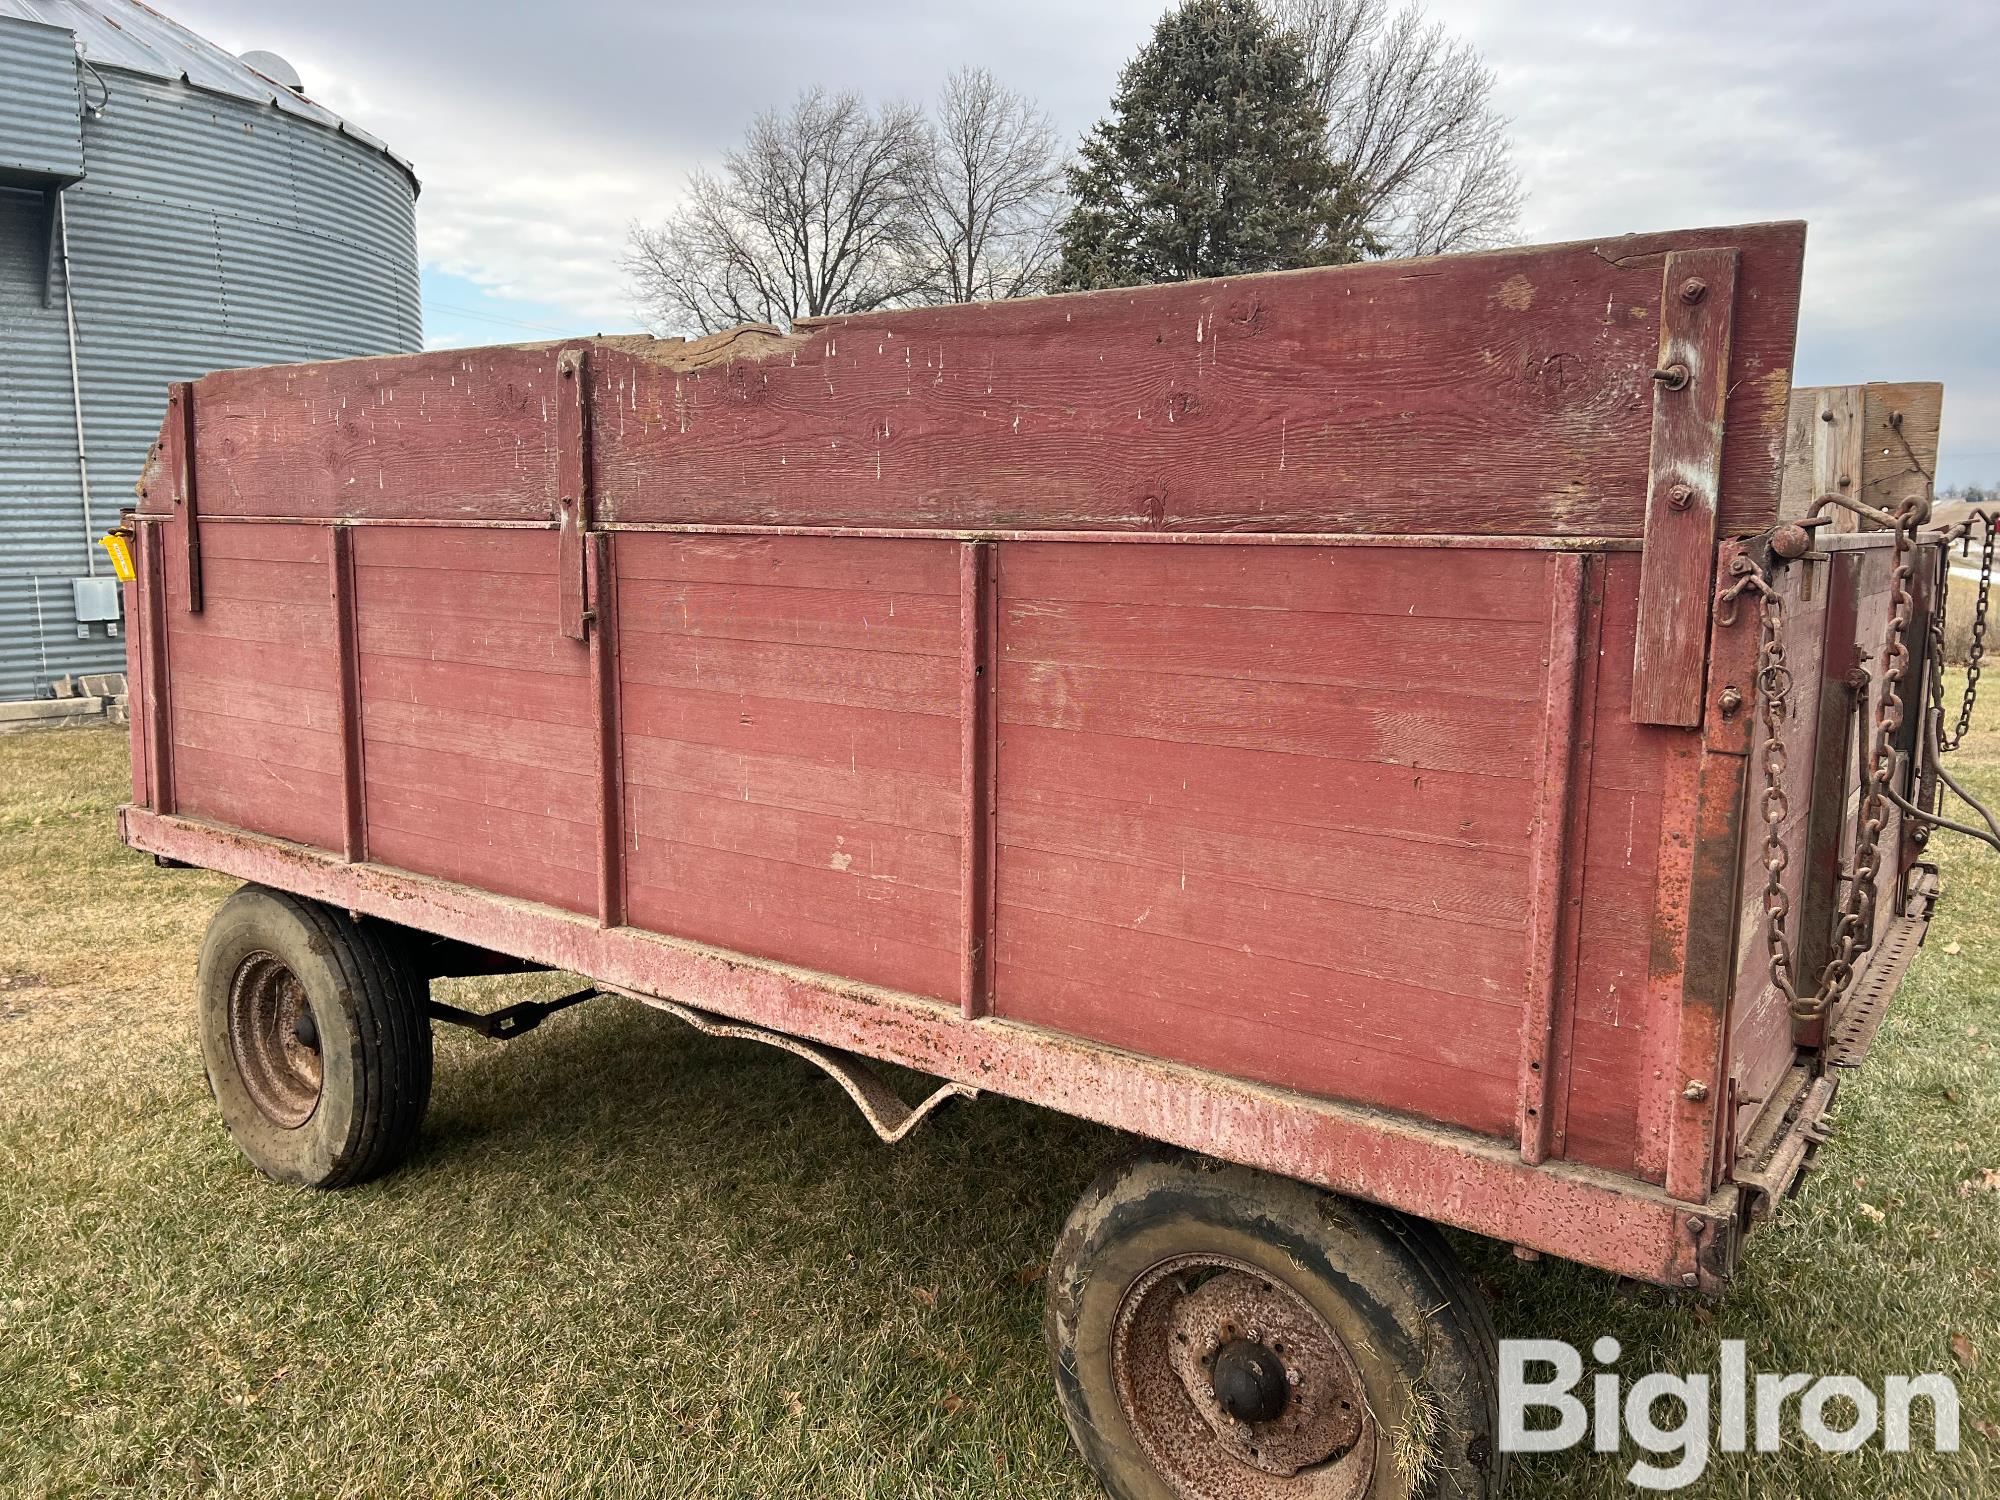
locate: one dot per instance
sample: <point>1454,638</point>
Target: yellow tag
<point>121,556</point>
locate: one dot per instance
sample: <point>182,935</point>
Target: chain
<point>1854,929</point>
<point>1978,646</point>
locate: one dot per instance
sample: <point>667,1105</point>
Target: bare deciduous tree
<point>992,193</point>
<point>1410,115</point>
<point>813,214</point>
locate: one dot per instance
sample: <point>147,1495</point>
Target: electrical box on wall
<point>97,603</point>
<point>96,599</point>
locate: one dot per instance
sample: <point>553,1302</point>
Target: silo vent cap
<point>274,68</point>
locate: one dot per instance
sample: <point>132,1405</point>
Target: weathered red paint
<point>353,777</point>
<point>979,769</point>
<point>605,669</point>
<point>1321,837</point>
<point>1548,875</point>
<point>1451,1176</point>
<point>1691,388</point>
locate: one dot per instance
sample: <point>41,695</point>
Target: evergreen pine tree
<point>1213,161</point>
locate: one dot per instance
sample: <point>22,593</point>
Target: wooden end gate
<point>1286,717</point>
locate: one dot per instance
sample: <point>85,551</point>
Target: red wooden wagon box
<point>1293,718</point>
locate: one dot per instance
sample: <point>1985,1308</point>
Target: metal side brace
<point>884,1109</point>
<point>515,1020</point>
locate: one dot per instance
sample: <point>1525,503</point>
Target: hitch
<point>514,1020</point>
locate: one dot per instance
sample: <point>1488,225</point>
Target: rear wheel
<point>314,1036</point>
<point>1219,1332</point>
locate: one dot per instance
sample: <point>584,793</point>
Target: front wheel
<point>315,1039</point>
<point>1219,1332</point>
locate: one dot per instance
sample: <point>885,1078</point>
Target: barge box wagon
<point>1294,718</point>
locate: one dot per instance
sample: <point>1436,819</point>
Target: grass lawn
<point>631,1260</point>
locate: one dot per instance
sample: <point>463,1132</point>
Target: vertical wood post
<point>605,704</point>
<point>978,618</point>
<point>347,666</point>
<point>187,510</point>
<point>160,740</point>
<point>1691,978</point>
<point>1677,573</point>
<point>1549,842</point>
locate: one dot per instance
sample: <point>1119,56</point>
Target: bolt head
<point>1693,290</point>
<point>1732,700</point>
<point>1680,497</point>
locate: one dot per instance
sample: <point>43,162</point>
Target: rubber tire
<point>375,1039</point>
<point>1389,1285</point>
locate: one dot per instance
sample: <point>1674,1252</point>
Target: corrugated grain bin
<point>165,210</point>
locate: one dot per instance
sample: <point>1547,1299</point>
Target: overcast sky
<point>541,130</point>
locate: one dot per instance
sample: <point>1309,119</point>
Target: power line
<point>488,317</point>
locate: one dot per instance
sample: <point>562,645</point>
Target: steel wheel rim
<point>1174,1321</point>
<point>277,1056</point>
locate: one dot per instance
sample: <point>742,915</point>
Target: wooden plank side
<point>1428,730</point>
<point>1227,860</point>
<point>255,684</point>
<point>476,713</point>
<point>1501,659</point>
<point>792,749</point>
<point>1463,585</point>
<point>1246,787</point>
<point>1504,393</point>
<point>1876,443</point>
<point>1619,849</point>
<point>1354,1041</point>
<point>1899,433</point>
<point>463,434</point>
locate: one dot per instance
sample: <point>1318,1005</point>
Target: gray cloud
<point>541,130</point>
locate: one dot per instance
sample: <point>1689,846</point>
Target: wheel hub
<point>275,1039</point>
<point>1249,1381</point>
<point>1234,1384</point>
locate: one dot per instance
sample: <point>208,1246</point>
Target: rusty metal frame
<point>1472,1182</point>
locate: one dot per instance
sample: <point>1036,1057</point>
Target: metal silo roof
<point>135,38</point>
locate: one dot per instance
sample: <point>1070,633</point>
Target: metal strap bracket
<point>572,489</point>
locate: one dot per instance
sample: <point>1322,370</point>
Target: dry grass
<point>630,1260</point>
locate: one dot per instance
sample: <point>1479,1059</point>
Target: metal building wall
<point>209,231</point>
<point>40,122</point>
